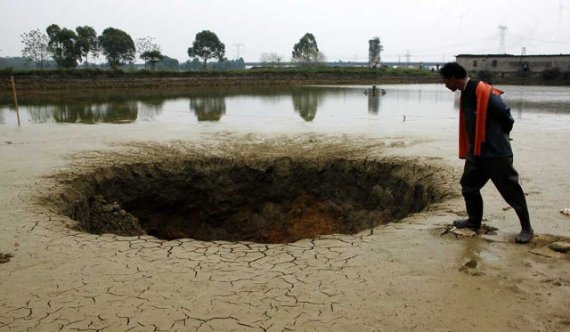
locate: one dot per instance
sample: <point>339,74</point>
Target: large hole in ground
<point>266,201</point>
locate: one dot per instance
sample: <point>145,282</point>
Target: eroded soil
<point>266,199</point>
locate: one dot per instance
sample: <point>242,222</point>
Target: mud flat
<point>407,272</point>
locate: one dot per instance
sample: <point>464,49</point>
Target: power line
<point>542,40</point>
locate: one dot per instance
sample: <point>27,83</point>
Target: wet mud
<point>5,258</point>
<point>394,277</point>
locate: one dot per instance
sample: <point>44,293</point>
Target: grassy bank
<point>97,78</point>
<point>75,79</point>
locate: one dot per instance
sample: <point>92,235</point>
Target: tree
<point>271,59</point>
<point>169,63</point>
<point>35,47</point>
<point>196,65</point>
<point>117,46</point>
<point>146,44</point>
<point>87,41</point>
<point>152,58</point>
<point>206,46</point>
<point>149,50</point>
<point>306,50</point>
<point>193,65</point>
<point>374,49</point>
<point>14,62</point>
<point>63,46</point>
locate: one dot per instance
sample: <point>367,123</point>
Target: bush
<point>6,71</point>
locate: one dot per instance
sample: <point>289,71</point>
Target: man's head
<point>453,75</point>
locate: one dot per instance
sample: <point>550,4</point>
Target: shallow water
<point>314,108</point>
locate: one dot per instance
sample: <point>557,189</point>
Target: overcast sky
<point>427,30</point>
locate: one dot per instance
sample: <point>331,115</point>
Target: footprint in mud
<point>5,258</point>
<point>458,233</point>
<point>470,267</point>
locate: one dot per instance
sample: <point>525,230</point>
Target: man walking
<point>484,126</point>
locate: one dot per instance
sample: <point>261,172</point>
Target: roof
<point>509,55</point>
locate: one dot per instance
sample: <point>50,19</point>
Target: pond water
<point>316,108</point>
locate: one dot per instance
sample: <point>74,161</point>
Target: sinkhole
<point>266,201</point>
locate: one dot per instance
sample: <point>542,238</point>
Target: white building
<point>512,65</point>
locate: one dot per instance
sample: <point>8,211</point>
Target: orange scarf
<point>483,92</point>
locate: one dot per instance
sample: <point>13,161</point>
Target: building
<point>514,65</point>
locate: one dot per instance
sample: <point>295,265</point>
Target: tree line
<point>67,48</point>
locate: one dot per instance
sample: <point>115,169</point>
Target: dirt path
<point>403,276</point>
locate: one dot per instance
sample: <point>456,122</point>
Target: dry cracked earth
<point>405,275</point>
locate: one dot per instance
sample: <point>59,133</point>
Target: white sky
<point>432,30</point>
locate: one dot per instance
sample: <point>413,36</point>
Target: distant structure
<point>502,32</point>
<point>508,65</point>
<point>238,47</point>
<point>374,49</point>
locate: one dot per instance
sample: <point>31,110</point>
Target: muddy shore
<point>26,83</point>
<point>79,81</point>
<point>409,275</point>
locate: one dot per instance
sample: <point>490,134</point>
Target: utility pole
<point>502,32</point>
<point>408,56</point>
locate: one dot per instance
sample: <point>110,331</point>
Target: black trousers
<point>501,172</point>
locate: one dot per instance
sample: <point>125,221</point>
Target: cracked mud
<point>395,277</point>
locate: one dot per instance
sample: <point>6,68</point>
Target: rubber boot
<point>527,232</point>
<point>474,206</point>
<point>467,223</point>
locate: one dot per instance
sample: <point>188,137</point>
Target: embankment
<point>98,79</point>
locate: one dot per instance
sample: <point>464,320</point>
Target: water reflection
<point>265,106</point>
<point>374,99</point>
<point>155,104</point>
<point>208,108</point>
<point>149,112</point>
<point>306,102</point>
<point>116,112</point>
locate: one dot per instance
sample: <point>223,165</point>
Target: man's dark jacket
<point>496,126</point>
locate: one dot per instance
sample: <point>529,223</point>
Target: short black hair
<point>452,69</point>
